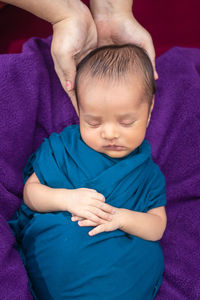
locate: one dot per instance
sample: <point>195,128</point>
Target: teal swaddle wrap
<point>62,260</point>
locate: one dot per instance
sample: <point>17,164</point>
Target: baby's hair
<point>114,62</point>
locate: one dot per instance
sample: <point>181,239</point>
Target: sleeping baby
<point>93,207</point>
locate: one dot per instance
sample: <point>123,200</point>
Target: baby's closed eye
<point>124,123</point>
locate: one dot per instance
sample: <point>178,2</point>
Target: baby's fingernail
<point>68,85</point>
<point>113,212</point>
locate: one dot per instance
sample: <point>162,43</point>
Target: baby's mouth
<point>114,147</point>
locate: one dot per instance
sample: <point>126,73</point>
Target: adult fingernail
<point>68,85</point>
<point>156,75</point>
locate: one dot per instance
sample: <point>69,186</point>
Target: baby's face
<point>112,114</point>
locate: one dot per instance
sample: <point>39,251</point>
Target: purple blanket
<point>33,105</point>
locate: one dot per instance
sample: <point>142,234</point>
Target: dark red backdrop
<point>170,22</point>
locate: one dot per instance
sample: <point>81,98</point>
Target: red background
<point>170,23</point>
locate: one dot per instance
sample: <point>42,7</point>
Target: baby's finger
<point>97,230</point>
<point>76,218</point>
<point>87,223</point>
<point>100,213</point>
<point>93,216</point>
<point>104,206</point>
<point>96,195</point>
<point>99,196</point>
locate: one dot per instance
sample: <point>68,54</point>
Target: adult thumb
<point>67,73</point>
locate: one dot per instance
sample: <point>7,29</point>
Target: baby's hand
<point>104,226</point>
<point>88,204</point>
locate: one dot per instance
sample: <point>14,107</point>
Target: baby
<point>101,174</point>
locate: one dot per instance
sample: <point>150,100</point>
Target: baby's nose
<point>109,132</point>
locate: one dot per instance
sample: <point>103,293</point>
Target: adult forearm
<point>144,225</point>
<point>42,198</point>
<point>107,7</point>
<point>52,11</point>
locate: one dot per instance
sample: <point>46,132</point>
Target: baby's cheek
<point>91,138</point>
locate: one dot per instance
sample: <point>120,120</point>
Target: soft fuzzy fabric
<point>33,105</point>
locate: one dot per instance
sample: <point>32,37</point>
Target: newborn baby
<point>101,174</point>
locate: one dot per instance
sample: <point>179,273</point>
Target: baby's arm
<point>86,203</point>
<point>149,226</point>
<point>42,198</point>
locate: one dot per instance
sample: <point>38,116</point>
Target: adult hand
<point>74,35</point>
<point>116,24</point>
<point>73,38</point>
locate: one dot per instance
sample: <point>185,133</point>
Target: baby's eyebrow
<point>93,116</point>
<point>120,116</point>
<point>127,115</point>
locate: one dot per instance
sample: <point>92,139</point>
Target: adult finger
<point>66,84</point>
<point>148,46</point>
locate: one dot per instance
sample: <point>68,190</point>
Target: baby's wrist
<point>62,196</point>
<point>120,215</point>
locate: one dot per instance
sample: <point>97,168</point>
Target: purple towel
<point>33,104</point>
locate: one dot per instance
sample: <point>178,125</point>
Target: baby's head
<point>115,90</point>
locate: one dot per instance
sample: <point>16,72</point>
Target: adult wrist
<point>110,7</point>
<point>69,9</point>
